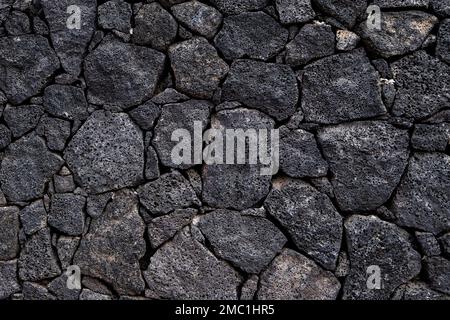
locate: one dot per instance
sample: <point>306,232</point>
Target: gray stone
<point>346,12</point>
<point>154,27</point>
<point>292,276</point>
<point>373,242</point>
<point>37,260</point>
<point>33,217</point>
<point>239,6</point>
<point>151,164</point>
<point>254,35</point>
<point>299,155</point>
<point>131,80</point>
<point>441,7</point>
<point>90,295</point>
<point>428,243</point>
<point>26,167</point>
<point>169,95</point>
<point>171,191</point>
<point>445,243</point>
<point>66,247</point>
<point>437,271</point>
<point>401,32</point>
<point>419,78</point>
<point>197,67</point>
<point>145,115</point>
<point>9,233</point>
<point>249,288</point>
<point>106,153</point>
<point>34,291</point>
<point>96,204</point>
<point>56,132</point>
<point>418,291</point>
<point>198,17</point>
<point>5,136</point>
<point>340,88</point>
<point>8,279</point>
<point>295,204</point>
<point>59,288</point>
<point>180,116</point>
<point>115,15</point>
<point>17,23</point>
<point>64,184</point>
<point>66,102</point>
<point>367,160</point>
<point>70,43</point>
<point>28,61</point>
<point>422,201</point>
<point>427,137</point>
<point>114,244</point>
<point>22,119</point>
<point>161,229</point>
<point>236,186</point>
<point>402,3</point>
<point>66,214</point>
<point>443,41</point>
<point>174,272</point>
<point>346,40</point>
<point>249,243</point>
<point>295,11</point>
<point>247,79</point>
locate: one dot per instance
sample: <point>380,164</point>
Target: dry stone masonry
<point>93,205</point>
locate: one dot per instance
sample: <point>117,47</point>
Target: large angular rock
<point>443,41</point>
<point>313,41</point>
<point>248,79</point>
<point>22,119</point>
<point>401,32</point>
<point>129,81</point>
<point>184,269</point>
<point>33,217</point>
<point>115,15</point>
<point>198,17</point>
<point>295,11</point>
<point>310,219</point>
<point>27,62</point>
<point>249,243</point>
<point>346,12</point>
<point>171,191</point>
<point>8,279</point>
<point>66,214</point>
<point>233,185</point>
<point>114,244</point>
<point>9,233</point>
<point>422,201</point>
<point>367,160</point>
<point>292,276</point>
<point>254,35</point>
<point>107,153</point>
<point>66,102</point>
<point>299,155</point>
<point>179,116</point>
<point>154,27</point>
<point>197,67</point>
<point>239,6</point>
<point>37,259</point>
<point>26,167</point>
<point>70,43</point>
<point>419,78</point>
<point>375,243</point>
<point>340,88</point>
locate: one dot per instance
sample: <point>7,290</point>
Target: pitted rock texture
<point>126,149</point>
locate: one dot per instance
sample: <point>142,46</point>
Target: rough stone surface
<point>292,276</point>
<point>254,35</point>
<point>132,78</point>
<point>26,167</point>
<point>247,79</point>
<point>107,153</point>
<point>33,217</point>
<point>66,102</point>
<point>309,218</point>
<point>367,160</point>
<point>115,15</point>
<point>114,244</point>
<point>312,42</point>
<point>373,242</point>
<point>197,68</point>
<point>28,61</point>
<point>345,11</point>
<point>437,270</point>
<point>401,32</point>
<point>295,11</point>
<point>67,214</point>
<point>249,243</point>
<point>22,119</point>
<point>422,200</point>
<point>239,6</point>
<point>341,88</point>
<point>8,279</point>
<point>443,42</point>
<point>9,233</point>
<point>174,269</point>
